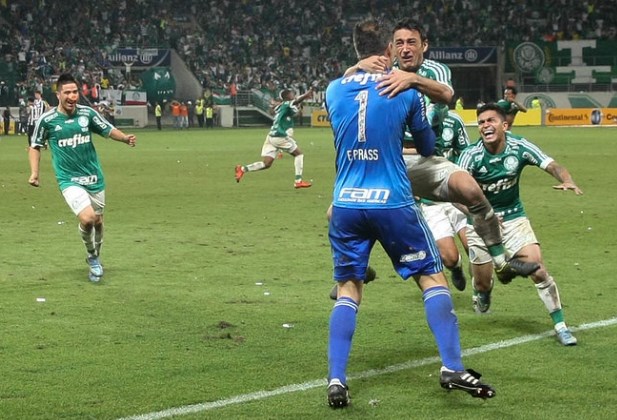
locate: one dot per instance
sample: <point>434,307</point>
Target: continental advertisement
<point>581,116</point>
<point>533,117</point>
<point>319,118</point>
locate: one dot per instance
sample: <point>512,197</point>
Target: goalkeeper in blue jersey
<point>373,202</point>
<point>435,178</point>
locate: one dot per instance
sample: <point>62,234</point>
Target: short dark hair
<point>370,38</point>
<point>412,25</point>
<point>492,106</point>
<point>284,95</point>
<point>65,79</point>
<point>512,89</point>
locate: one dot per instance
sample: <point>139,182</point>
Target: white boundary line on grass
<point>260,395</point>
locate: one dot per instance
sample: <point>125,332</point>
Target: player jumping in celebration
<point>280,138</point>
<point>497,162</point>
<point>68,130</point>
<point>510,105</point>
<point>373,202</point>
<point>436,178</point>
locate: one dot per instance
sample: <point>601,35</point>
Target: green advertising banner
<point>159,84</point>
<point>564,62</point>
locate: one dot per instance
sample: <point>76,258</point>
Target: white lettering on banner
<point>364,195</point>
<point>583,73</point>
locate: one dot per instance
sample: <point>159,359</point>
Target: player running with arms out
<point>373,202</point>
<point>280,138</point>
<point>496,162</point>
<point>435,178</point>
<point>67,129</point>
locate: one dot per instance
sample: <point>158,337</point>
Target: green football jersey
<point>283,119</point>
<point>453,139</point>
<point>508,107</point>
<point>441,73</point>
<point>70,140</point>
<point>498,175</point>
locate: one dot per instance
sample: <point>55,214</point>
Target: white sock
<point>88,239</point>
<point>549,295</point>
<point>98,239</point>
<point>257,166</point>
<point>299,165</point>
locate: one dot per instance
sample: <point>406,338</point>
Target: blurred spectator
<point>262,44</point>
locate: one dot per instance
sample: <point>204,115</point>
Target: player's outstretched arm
<point>561,174</point>
<point>34,157</point>
<point>398,81</point>
<point>302,97</point>
<point>372,64</point>
<point>520,106</point>
<point>118,135</point>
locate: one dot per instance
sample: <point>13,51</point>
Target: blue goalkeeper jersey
<point>368,138</point>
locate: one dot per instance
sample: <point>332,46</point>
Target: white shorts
<point>79,198</point>
<point>443,219</point>
<point>429,176</point>
<point>517,234</point>
<point>273,144</point>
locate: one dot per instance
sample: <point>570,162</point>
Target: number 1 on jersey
<point>362,98</point>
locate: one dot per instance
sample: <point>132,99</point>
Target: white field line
<point>260,395</point>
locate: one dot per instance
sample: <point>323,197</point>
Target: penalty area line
<point>260,395</point>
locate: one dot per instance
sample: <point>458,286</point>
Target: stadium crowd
<point>260,43</point>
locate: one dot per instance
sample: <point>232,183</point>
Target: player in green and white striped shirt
<point>280,138</point>
<point>68,129</point>
<point>496,162</point>
<point>436,178</point>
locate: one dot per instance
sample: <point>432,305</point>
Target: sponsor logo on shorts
<point>416,256</point>
<point>85,180</point>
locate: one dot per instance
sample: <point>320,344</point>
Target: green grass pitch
<point>202,273</point>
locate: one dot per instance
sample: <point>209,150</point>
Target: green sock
<point>557,316</point>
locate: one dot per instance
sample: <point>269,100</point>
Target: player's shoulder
<point>475,148</point>
<point>49,115</point>
<point>434,66</point>
<point>520,142</point>
<point>502,103</point>
<point>85,109</point>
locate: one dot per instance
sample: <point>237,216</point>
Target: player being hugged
<point>373,202</point>
<point>67,129</point>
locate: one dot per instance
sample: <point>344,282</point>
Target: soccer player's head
<point>492,122</point>
<point>510,92</point>
<point>408,45</point>
<point>287,95</point>
<point>370,38</point>
<point>68,93</point>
